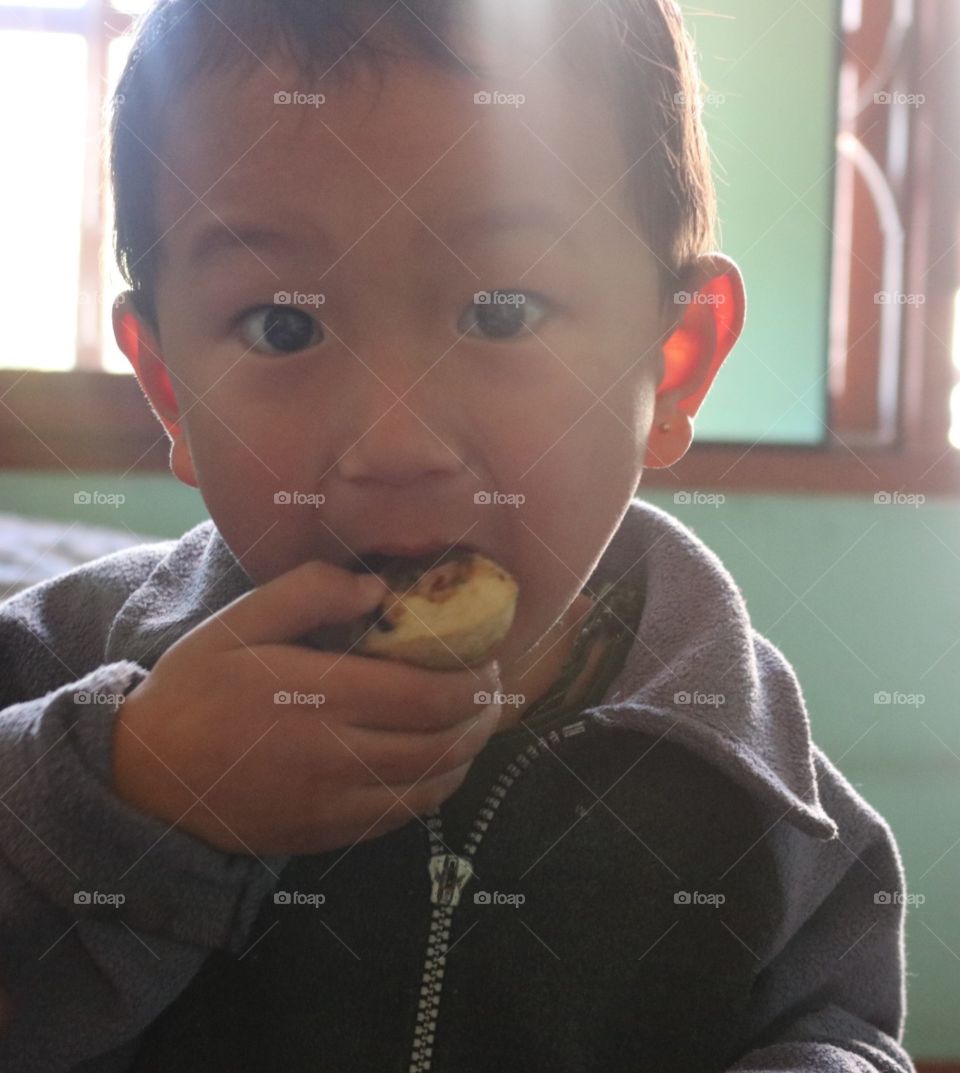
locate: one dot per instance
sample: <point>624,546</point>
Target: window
<point>58,254</point>
<point>771,121</point>
<point>864,400</point>
<point>894,341</point>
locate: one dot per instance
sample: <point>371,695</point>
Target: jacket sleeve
<point>830,994</point>
<point>106,913</point>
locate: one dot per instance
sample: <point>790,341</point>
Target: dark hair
<point>639,49</point>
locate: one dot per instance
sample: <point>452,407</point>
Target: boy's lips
<point>374,558</point>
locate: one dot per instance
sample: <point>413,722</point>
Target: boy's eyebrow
<point>218,237</point>
<point>528,216</point>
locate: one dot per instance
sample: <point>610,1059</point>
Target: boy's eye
<point>502,314</point>
<point>279,329</point>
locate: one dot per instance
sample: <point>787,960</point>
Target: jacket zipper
<point>449,875</point>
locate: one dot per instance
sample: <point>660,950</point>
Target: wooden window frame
<point>88,419</point>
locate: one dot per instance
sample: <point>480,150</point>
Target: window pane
<point>131,7</point>
<point>770,74</point>
<point>41,185</point>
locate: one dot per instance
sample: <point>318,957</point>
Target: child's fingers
<point>360,757</point>
<point>408,758</point>
<point>315,593</point>
<point>384,695</point>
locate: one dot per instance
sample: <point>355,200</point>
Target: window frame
<point>89,419</point>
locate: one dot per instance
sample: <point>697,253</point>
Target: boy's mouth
<point>408,563</point>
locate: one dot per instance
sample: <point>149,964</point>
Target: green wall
<point>861,598</point>
<point>770,84</point>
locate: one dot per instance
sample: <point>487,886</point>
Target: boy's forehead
<point>445,142</point>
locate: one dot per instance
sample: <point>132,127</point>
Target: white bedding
<point>34,549</point>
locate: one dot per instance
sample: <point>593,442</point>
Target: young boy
<point>405,276</point>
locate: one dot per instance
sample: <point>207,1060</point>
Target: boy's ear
<point>141,347</point>
<point>707,320</point>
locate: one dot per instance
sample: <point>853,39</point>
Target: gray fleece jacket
<point>673,878</point>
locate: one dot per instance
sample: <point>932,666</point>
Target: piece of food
<point>444,613</point>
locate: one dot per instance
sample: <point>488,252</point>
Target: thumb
<point>315,593</point>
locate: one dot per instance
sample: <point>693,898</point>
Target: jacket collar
<point>699,672</point>
<point>697,669</point>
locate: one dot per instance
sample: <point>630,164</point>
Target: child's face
<point>388,410</point>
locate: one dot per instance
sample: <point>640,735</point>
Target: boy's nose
<point>396,443</point>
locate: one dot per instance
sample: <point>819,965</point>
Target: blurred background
<point>826,472</point>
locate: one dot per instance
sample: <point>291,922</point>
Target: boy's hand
<point>290,778</point>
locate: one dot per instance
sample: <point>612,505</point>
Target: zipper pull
<point>449,874</point>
